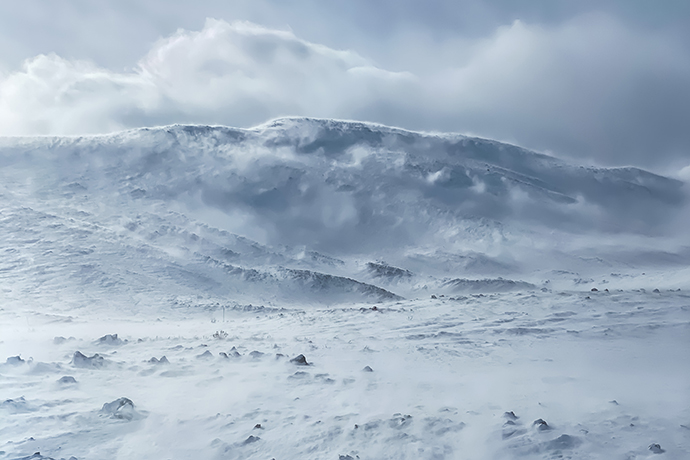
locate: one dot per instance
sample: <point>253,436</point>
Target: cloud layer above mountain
<point>589,87</point>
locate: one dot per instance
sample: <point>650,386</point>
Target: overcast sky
<point>600,82</point>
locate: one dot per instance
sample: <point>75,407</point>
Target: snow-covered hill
<point>239,210</point>
<point>448,292</point>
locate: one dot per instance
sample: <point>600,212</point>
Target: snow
<point>303,290</point>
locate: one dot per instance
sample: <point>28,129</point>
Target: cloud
<point>589,87</point>
<point>239,74</point>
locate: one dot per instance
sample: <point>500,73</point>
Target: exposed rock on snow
<point>300,375</point>
<point>121,408</point>
<point>67,380</point>
<point>656,449</point>
<point>220,335</point>
<point>14,361</point>
<point>38,456</point>
<point>383,270</point>
<point>110,339</point>
<point>94,362</point>
<point>510,415</point>
<point>251,439</point>
<point>338,284</point>
<point>300,360</point>
<point>541,425</point>
<point>487,285</point>
<point>60,340</point>
<point>17,406</point>
<point>562,442</point>
<point>233,353</point>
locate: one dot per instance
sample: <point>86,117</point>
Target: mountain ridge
<point>306,204</point>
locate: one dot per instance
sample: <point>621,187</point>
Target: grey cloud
<point>589,87</point>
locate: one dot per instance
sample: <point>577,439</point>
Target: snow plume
<point>590,87</point>
<point>238,74</point>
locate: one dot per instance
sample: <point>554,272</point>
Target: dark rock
<point>383,270</point>
<point>324,378</point>
<point>220,335</point>
<point>510,415</point>
<point>155,360</point>
<point>94,362</point>
<point>110,339</point>
<point>594,290</point>
<point>656,449</point>
<point>14,361</point>
<point>299,375</point>
<point>368,369</point>
<point>300,360</point>
<point>258,427</point>
<point>541,425</point>
<point>656,290</point>
<point>398,421</point>
<point>251,439</point>
<point>121,408</point>
<point>67,380</point>
<point>36,456</point>
<point>233,353</point>
<point>434,297</point>
<point>16,406</point>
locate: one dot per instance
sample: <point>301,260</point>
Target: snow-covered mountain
<point>320,289</point>
<point>301,209</point>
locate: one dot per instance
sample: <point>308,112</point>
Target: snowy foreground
<point>315,289</point>
<point>607,372</point>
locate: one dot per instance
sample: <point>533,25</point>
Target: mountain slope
<point>296,208</point>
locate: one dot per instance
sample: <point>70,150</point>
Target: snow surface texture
<point>451,297</point>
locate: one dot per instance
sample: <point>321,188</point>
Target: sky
<point>598,82</point>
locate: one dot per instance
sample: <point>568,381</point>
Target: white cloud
<point>588,87</point>
<point>239,74</point>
